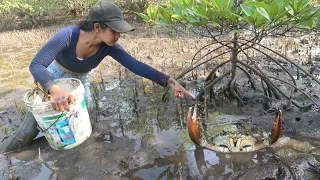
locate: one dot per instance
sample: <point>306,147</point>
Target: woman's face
<point>109,36</point>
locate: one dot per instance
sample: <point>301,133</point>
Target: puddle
<point>126,115</point>
<point>201,163</point>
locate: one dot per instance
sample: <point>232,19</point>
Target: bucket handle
<point>44,130</point>
<point>60,116</point>
<point>45,93</point>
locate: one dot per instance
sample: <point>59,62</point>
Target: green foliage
<point>152,16</point>
<point>226,13</point>
<point>219,19</point>
<point>29,7</point>
<point>34,11</point>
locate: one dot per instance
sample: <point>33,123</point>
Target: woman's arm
<point>144,70</point>
<point>45,56</point>
<point>137,67</point>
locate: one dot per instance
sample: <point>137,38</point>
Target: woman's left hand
<point>178,90</point>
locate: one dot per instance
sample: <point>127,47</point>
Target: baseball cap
<point>109,14</point>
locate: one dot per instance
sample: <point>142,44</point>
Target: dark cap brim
<point>121,26</point>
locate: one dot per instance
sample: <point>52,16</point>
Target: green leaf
<point>274,9</point>
<point>195,22</point>
<point>161,22</point>
<point>248,20</point>
<point>165,14</point>
<point>218,4</point>
<point>149,10</point>
<point>289,10</point>
<point>177,17</point>
<point>208,3</point>
<point>260,21</point>
<point>259,4</point>
<point>154,14</point>
<point>231,4</point>
<point>309,23</point>
<point>227,4</point>
<point>313,10</point>
<point>177,11</point>
<point>298,5</point>
<point>230,16</point>
<point>214,24</point>
<point>246,9</point>
<point>255,14</point>
<point>143,16</point>
<point>263,12</point>
<point>201,12</point>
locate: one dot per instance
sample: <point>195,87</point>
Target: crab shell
<point>194,133</point>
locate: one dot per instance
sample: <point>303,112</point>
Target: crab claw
<point>277,126</point>
<point>193,125</point>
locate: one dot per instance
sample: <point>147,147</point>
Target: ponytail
<point>89,26</point>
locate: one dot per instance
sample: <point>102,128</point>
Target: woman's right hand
<point>60,98</point>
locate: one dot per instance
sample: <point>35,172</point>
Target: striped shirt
<point>62,48</point>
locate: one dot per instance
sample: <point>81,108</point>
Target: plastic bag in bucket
<point>63,130</point>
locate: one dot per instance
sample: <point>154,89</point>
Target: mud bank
<point>137,136</point>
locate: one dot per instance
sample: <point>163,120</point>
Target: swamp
<point>139,129</point>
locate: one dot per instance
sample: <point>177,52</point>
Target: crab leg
<point>277,126</point>
<point>193,125</point>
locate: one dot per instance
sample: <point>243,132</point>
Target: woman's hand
<point>60,98</point>
<point>178,90</point>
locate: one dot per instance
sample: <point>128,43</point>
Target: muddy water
<point>200,163</point>
<point>137,136</point>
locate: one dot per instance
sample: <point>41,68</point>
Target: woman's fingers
<point>60,99</point>
<point>55,106</point>
<point>181,92</point>
<point>61,107</point>
<point>66,105</point>
<point>178,90</point>
<point>190,94</point>
<point>60,104</point>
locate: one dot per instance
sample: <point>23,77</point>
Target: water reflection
<point>133,113</point>
<point>167,123</point>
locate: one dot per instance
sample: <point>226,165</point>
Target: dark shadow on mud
<point>137,136</point>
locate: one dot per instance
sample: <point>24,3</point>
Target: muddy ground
<point>137,136</point>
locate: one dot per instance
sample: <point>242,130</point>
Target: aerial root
<point>297,89</point>
<point>233,91</point>
<point>253,84</point>
<point>213,72</point>
<point>275,61</point>
<point>212,83</point>
<point>260,73</point>
<point>268,86</point>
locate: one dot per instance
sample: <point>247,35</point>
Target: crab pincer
<point>193,125</point>
<point>277,126</point>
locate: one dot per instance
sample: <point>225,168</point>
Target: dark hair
<point>88,25</point>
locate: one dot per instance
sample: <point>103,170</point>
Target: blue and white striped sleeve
<point>138,67</point>
<point>46,55</point>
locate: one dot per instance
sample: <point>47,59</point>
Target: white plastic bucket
<point>63,130</point>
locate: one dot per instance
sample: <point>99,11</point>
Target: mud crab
<point>233,137</point>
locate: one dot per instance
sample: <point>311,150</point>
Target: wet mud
<point>138,136</point>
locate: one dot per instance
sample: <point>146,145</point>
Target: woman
<point>75,50</point>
